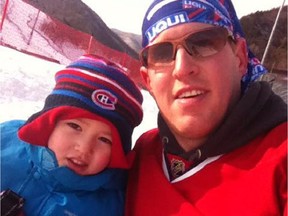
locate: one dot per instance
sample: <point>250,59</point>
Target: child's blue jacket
<point>33,173</point>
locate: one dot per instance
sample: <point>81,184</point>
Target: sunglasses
<point>200,44</point>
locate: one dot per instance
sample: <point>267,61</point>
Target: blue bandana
<point>164,14</point>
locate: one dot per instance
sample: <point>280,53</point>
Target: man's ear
<point>145,77</point>
<point>241,52</point>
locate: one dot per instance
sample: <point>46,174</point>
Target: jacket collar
<point>64,179</point>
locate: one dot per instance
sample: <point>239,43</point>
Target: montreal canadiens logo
<point>104,99</point>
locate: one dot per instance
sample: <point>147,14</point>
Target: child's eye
<point>105,140</point>
<point>74,125</point>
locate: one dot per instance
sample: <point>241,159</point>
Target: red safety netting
<point>29,30</point>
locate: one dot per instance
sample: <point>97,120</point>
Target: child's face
<point>83,145</point>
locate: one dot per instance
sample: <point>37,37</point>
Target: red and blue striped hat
<point>90,87</point>
<point>164,14</point>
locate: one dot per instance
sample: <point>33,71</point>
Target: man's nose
<point>184,63</point>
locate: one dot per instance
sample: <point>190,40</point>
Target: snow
<point>26,81</point>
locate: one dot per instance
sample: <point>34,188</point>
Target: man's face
<point>83,145</point>
<point>194,94</point>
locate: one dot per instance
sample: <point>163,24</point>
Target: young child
<point>71,157</point>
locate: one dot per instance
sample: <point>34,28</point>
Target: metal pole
<point>33,27</point>
<point>90,44</point>
<point>271,35</point>
<point>4,14</point>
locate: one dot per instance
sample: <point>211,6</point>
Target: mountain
<point>133,40</point>
<point>257,27</point>
<point>78,15</point>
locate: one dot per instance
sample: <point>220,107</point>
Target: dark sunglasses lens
<point>160,53</point>
<point>200,44</point>
<point>144,56</point>
<point>206,43</point>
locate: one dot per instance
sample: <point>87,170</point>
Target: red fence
<point>29,30</point>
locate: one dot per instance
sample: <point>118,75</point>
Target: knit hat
<point>164,14</point>
<point>90,87</point>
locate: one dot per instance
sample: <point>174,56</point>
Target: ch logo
<point>104,99</point>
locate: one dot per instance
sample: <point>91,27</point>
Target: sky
<point>127,15</point>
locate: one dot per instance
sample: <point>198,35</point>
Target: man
<point>220,146</point>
